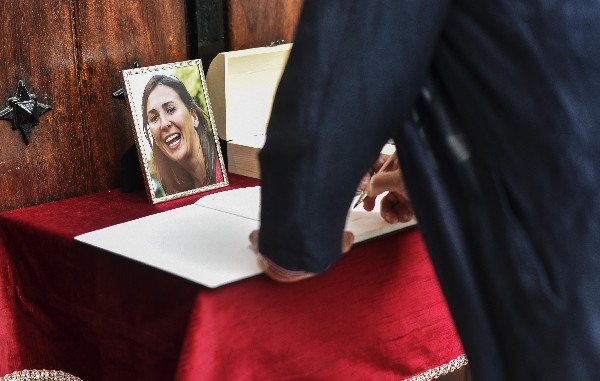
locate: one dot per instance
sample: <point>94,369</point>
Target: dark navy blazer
<point>495,109</point>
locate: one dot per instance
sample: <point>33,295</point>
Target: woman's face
<point>172,124</point>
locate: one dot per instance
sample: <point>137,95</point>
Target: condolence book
<point>207,242</point>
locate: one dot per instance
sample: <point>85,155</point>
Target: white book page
<point>243,202</point>
<point>207,242</point>
<point>201,244</point>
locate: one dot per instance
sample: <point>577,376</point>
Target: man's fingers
<point>368,203</point>
<point>396,208</point>
<point>254,240</point>
<point>386,181</point>
<point>280,274</point>
<point>347,241</point>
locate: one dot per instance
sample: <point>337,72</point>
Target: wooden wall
<point>52,165</point>
<point>257,23</point>
<point>219,25</point>
<point>70,54</point>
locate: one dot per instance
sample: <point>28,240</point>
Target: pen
<point>387,163</point>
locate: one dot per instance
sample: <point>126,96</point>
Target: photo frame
<point>174,130</point>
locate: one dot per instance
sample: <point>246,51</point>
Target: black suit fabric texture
<point>494,109</point>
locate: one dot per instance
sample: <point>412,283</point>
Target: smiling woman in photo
<point>184,154</point>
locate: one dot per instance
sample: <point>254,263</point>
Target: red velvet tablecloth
<point>376,315</point>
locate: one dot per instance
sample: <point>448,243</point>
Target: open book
<point>207,242</point>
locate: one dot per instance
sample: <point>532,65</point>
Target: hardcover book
<point>207,242</point>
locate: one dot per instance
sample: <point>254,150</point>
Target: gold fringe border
<point>39,375</point>
<point>441,370</point>
<point>57,375</point>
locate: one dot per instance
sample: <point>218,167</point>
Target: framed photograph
<point>175,132</point>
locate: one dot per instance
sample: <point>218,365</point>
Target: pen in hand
<point>387,163</point>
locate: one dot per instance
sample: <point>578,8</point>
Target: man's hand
<point>280,274</point>
<point>395,206</point>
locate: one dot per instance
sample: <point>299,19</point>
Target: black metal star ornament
<point>24,111</point>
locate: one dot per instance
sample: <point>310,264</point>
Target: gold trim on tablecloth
<point>441,370</point>
<point>39,375</point>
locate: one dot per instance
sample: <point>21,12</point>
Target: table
<point>377,314</point>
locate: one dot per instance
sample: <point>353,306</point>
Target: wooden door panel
<point>38,47</point>
<point>254,23</point>
<point>72,52</point>
<point>112,35</point>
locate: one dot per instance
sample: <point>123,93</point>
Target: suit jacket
<point>494,109</point>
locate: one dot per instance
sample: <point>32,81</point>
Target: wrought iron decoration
<point>24,111</point>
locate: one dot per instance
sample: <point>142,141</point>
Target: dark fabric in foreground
<point>501,157</point>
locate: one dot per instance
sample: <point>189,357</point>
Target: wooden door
<point>254,23</point>
<point>38,47</point>
<point>72,52</point>
<point>113,35</point>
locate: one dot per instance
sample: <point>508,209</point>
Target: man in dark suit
<point>494,109</point>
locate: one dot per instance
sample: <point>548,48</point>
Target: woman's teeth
<point>172,140</point>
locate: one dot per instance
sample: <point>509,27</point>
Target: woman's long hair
<point>172,176</point>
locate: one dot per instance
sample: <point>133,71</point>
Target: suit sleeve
<point>351,78</point>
